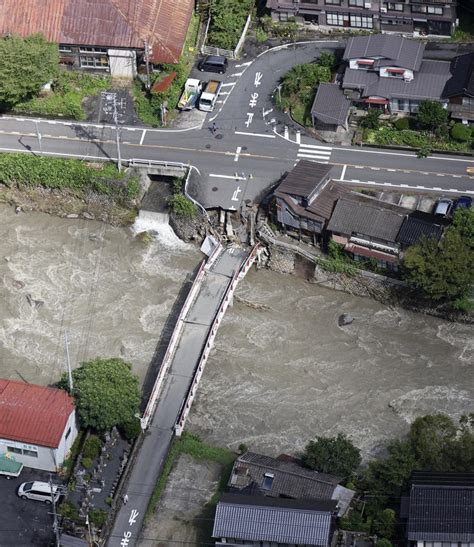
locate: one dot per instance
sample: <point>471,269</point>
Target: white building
<point>37,424</point>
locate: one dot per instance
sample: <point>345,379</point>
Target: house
<point>418,225</point>
<point>305,198</point>
<point>251,520</point>
<point>285,477</point>
<point>330,108</point>
<point>103,35</point>
<point>432,17</point>
<point>37,424</point>
<point>389,71</point>
<point>459,89</point>
<point>440,509</point>
<point>368,228</point>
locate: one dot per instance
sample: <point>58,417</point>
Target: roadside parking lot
<point>24,522</point>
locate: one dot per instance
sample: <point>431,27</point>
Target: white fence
<point>229,53</point>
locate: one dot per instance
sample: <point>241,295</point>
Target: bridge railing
<point>136,162</point>
<point>226,300</point>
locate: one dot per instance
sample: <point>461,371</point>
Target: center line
<point>237,153</point>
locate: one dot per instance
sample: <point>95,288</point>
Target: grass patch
<point>193,446</point>
<point>67,94</point>
<point>415,139</point>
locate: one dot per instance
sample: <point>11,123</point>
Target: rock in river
<point>345,319</point>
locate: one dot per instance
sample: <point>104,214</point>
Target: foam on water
<point>157,225</point>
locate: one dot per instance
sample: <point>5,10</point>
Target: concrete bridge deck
<point>174,390</point>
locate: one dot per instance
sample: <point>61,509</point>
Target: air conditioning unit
<point>383,10</point>
<point>368,5</point>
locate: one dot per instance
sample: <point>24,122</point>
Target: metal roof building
<point>255,519</point>
<point>330,106</point>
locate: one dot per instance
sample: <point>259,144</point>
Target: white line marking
<point>244,64</point>
<point>255,134</point>
<point>436,188</point>
<point>354,180</point>
<point>228,84</point>
<point>422,187</point>
<point>237,153</point>
<point>391,170</point>
<point>318,161</point>
<point>400,154</point>
<point>236,74</point>
<point>359,167</point>
<point>313,146</point>
<point>440,174</point>
<point>143,137</point>
<point>52,122</point>
<point>457,176</point>
<point>373,168</point>
<point>312,156</point>
<point>232,177</point>
<point>343,172</point>
<point>404,185</point>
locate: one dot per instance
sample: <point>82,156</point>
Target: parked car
<point>39,491</point>
<point>470,170</point>
<point>209,95</point>
<point>464,202</point>
<point>213,63</point>
<point>443,207</point>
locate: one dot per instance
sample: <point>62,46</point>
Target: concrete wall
<point>123,63</point>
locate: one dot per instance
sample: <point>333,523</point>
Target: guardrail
<point>156,163</point>
<point>175,337</point>
<point>226,299</point>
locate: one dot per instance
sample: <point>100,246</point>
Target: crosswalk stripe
<point>318,161</point>
<point>315,147</point>
<point>312,156</point>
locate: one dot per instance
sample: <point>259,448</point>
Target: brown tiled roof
<point>33,414</point>
<point>289,479</point>
<point>323,204</point>
<point>304,178</point>
<point>106,23</point>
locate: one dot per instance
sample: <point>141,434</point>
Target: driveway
<point>24,522</point>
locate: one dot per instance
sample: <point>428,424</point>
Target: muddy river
<point>279,374</point>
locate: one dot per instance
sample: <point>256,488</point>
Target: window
<point>356,3</point>
<point>31,453</point>
<point>432,10</point>
<point>310,1</point>
<point>94,61</point>
<point>25,451</point>
<point>68,432</point>
<point>361,21</point>
<point>93,50</point>
<point>394,6</point>
<point>335,19</point>
<point>333,2</point>
<point>14,449</point>
<point>64,49</point>
<point>267,481</point>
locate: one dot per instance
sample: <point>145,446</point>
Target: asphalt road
<point>250,150</point>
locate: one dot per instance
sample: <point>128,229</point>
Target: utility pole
<point>38,134</point>
<point>68,363</point>
<point>55,515</point>
<point>117,134</point>
<point>147,62</point>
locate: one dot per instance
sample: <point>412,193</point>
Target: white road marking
<point>359,167</point>
<point>236,74</point>
<point>312,156</point>
<point>228,84</point>
<point>426,188</point>
<point>440,174</point>
<point>237,153</point>
<point>373,168</point>
<point>343,172</point>
<point>364,151</point>
<point>244,64</point>
<point>436,188</point>
<point>391,170</point>
<point>457,176</point>
<point>143,137</point>
<point>254,134</point>
<point>232,177</point>
<point>314,147</point>
<point>235,195</point>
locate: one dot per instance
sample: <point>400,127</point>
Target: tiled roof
<point>330,105</point>
<point>399,51</point>
<point>280,521</point>
<point>356,213</point>
<point>442,512</point>
<point>462,79</point>
<point>304,178</point>
<point>33,414</point>
<point>428,83</point>
<point>418,225</point>
<point>289,479</point>
<point>106,23</point>
<point>323,203</point>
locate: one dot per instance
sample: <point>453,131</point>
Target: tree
<point>384,523</point>
<point>27,64</point>
<point>431,114</point>
<point>444,271</point>
<point>371,121</point>
<point>304,76</point>
<point>107,393</point>
<point>335,455</point>
<point>382,542</point>
<point>430,437</point>
<point>327,59</point>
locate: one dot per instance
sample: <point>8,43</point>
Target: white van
<point>39,491</point>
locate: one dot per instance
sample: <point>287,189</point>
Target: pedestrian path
<point>313,152</point>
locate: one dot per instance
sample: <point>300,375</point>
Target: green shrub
<point>371,121</point>
<point>402,123</point>
<point>109,500</point>
<point>130,430</point>
<point>98,517</point>
<point>181,206</point>
<point>87,463</point>
<point>261,35</point>
<point>461,132</point>
<point>382,542</point>
<point>227,22</point>
<point>463,304</point>
<point>327,59</point>
<point>68,510</point>
<point>133,187</point>
<point>92,447</point>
